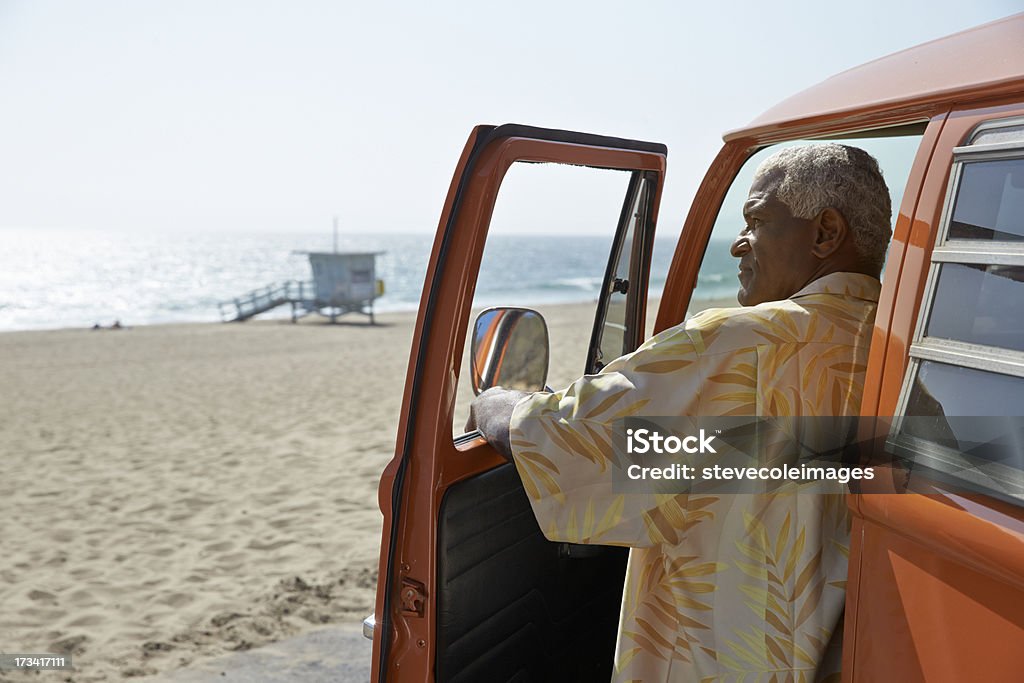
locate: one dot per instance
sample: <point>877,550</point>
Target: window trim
<point>978,253</point>
<point>996,151</point>
<point>972,356</point>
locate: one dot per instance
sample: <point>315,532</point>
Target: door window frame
<point>642,193</point>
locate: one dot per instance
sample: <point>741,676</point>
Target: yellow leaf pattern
<point>727,588</point>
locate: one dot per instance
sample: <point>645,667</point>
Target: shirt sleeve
<point>562,446</point>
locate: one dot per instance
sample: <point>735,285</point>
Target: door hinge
<point>413,597</point>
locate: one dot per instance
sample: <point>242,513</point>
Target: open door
<point>468,588</point>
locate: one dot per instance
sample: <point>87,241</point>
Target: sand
<point>175,492</point>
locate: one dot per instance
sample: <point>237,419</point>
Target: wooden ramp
<point>301,296</point>
<point>293,292</point>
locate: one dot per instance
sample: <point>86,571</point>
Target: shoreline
<point>353,319</point>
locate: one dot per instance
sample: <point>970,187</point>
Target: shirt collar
<point>856,285</point>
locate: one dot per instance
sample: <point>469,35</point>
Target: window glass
<point>717,283</point>
<point>939,390</point>
<point>990,202</point>
<point>548,245</point>
<point>613,334</point>
<point>1002,134</point>
<point>614,340</point>
<point>982,422</point>
<point>979,304</point>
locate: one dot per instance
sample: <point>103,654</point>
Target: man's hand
<point>491,412</point>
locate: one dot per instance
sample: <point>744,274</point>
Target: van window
<point>716,281</point>
<point>990,202</point>
<point>979,303</point>
<point>963,394</point>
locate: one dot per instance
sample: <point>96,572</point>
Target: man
<point>726,587</point>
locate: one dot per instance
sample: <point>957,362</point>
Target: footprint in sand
<point>174,599</point>
<point>74,645</point>
<point>219,547</point>
<point>282,523</point>
<point>41,595</point>
<point>82,598</point>
<point>255,545</point>
<point>87,620</point>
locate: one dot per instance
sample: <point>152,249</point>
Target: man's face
<point>774,247</point>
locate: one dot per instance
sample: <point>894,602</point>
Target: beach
<point>171,493</point>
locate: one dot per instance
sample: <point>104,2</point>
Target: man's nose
<point>739,247</point>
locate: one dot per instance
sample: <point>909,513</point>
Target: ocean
<point>56,279</point>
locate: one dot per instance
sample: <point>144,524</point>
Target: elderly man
<point>742,586</point>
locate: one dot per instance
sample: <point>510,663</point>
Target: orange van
<point>470,590</point>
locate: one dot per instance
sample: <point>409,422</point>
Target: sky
<point>259,116</point>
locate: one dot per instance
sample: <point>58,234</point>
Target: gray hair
<point>844,178</point>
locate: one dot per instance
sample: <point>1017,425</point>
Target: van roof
<point>984,61</point>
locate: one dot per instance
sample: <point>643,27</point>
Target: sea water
<point>54,279</point>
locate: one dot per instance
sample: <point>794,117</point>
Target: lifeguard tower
<point>343,282</point>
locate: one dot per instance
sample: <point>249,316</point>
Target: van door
<point>936,583</point>
<point>469,589</point>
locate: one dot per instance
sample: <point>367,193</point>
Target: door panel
<point>417,608</point>
<point>511,605</point>
<point>928,615</point>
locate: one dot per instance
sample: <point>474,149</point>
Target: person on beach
<point>726,587</point>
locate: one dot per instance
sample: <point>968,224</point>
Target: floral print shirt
<point>740,587</point>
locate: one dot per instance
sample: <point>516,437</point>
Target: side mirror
<point>510,349</point>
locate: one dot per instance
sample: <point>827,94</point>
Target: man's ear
<point>831,231</point>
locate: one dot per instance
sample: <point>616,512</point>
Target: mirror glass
<point>510,350</point>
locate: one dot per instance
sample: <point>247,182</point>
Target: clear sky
<point>253,115</point>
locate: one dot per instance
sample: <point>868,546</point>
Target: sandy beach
<point>175,492</point>
<point>170,492</point>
